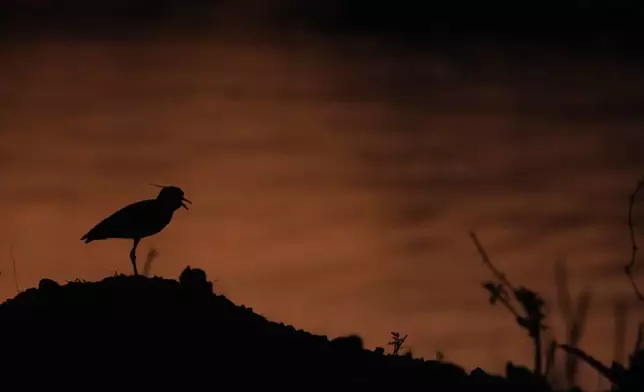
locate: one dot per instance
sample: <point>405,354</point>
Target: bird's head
<point>172,196</point>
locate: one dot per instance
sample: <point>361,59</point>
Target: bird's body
<point>139,220</point>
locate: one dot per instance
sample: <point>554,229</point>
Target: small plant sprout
<point>397,342</point>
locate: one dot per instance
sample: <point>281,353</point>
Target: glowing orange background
<point>334,181</point>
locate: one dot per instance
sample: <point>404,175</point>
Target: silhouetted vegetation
<point>628,377</point>
<point>162,332</point>
<point>622,377</point>
<point>397,342</point>
<point>502,291</point>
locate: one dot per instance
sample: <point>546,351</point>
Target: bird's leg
<point>133,255</point>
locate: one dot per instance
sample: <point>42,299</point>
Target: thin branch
<point>498,297</point>
<point>152,254</point>
<point>488,262</point>
<point>510,308</point>
<point>637,291</point>
<point>628,269</point>
<point>590,360</point>
<point>498,274</point>
<point>13,262</point>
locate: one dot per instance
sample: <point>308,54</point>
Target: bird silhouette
<point>140,219</point>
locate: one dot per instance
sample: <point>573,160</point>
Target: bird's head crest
<point>172,194</point>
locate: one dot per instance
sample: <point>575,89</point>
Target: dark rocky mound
<point>141,333</point>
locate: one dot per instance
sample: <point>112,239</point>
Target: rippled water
<point>334,183</point>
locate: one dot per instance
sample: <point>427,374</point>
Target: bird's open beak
<point>184,204</point>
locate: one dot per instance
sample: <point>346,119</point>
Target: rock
<point>195,278</point>
<point>47,284</point>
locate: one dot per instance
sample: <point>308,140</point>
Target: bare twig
<point>628,269</point>
<point>499,275</point>
<point>152,254</point>
<point>531,303</point>
<point>600,367</point>
<point>498,294</point>
<point>13,262</point>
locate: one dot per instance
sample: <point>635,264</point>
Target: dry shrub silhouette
<point>502,291</point>
<point>628,377</point>
<point>397,342</point>
<point>624,378</point>
<point>348,361</point>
